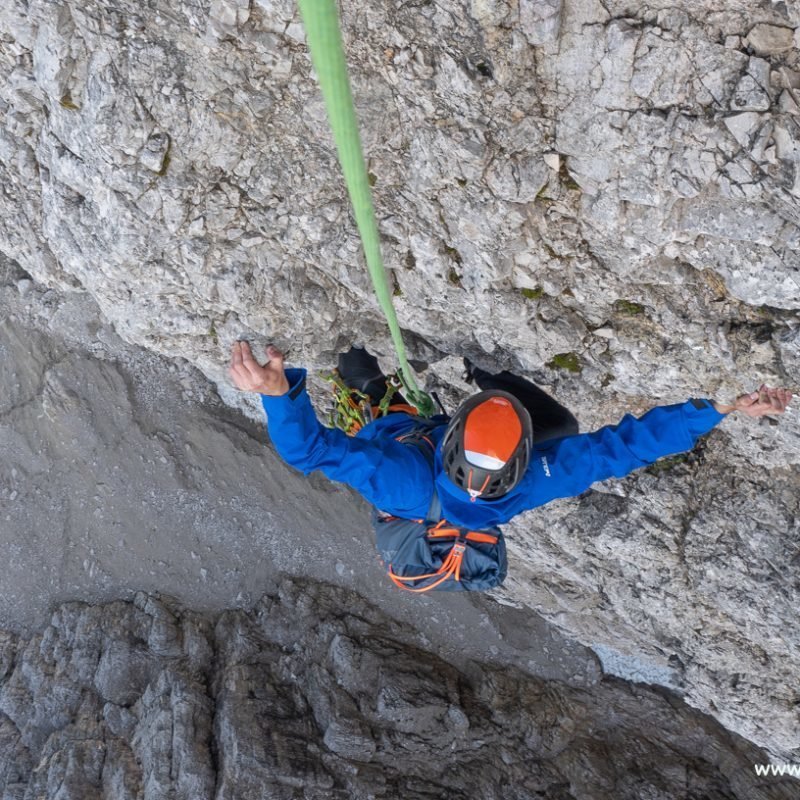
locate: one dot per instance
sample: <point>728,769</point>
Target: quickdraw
<point>353,409</point>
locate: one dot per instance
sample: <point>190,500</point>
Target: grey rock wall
<point>121,472</point>
<point>316,693</point>
<point>604,196</point>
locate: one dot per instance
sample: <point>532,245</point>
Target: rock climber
<point>509,448</point>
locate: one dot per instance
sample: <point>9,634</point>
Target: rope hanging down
<point>327,54</point>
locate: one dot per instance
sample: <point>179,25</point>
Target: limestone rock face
<point>318,694</point>
<point>614,183</point>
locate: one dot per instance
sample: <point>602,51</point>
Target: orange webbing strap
<point>420,435</point>
<point>473,536</point>
<point>396,407</point>
<point>486,538</point>
<point>451,568</point>
<point>442,533</point>
<point>438,531</point>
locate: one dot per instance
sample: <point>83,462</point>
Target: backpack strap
<point>435,508</point>
<point>417,437</point>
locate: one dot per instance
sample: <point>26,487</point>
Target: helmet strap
<point>475,493</point>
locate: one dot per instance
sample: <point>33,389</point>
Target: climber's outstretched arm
<point>572,464</point>
<point>388,474</point>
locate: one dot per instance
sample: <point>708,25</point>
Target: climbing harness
<point>327,53</point>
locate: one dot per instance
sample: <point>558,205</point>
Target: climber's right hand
<point>760,403</point>
<point>249,376</point>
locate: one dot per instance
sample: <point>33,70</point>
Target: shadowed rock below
<point>316,693</point>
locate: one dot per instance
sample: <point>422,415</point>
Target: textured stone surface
<point>316,693</point>
<point>174,161</point>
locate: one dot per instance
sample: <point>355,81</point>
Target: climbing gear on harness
<point>431,554</point>
<point>325,45</point>
<point>393,385</point>
<point>486,448</point>
<point>353,409</point>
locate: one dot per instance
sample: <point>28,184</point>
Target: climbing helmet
<point>487,445</point>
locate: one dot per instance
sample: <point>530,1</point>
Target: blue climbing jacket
<point>397,478</point>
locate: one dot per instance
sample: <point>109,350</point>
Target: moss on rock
<point>628,308</point>
<point>569,362</point>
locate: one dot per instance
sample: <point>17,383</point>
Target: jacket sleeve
<point>576,462</point>
<point>388,474</point>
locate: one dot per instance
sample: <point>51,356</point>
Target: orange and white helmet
<point>487,445</point>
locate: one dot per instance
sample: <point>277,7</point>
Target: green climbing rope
<point>327,54</point>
